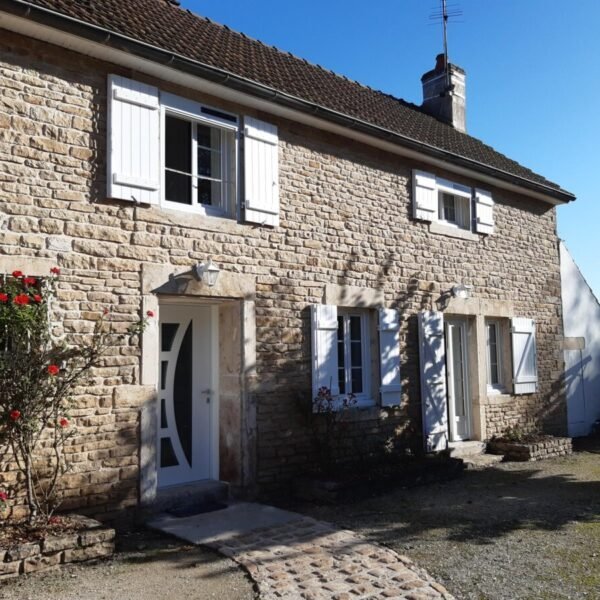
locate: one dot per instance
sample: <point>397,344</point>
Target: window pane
<point>209,163</point>
<point>342,381</point>
<point>209,192</point>
<point>209,137</point>
<point>178,144</point>
<point>449,208</point>
<point>357,386</point>
<point>356,354</point>
<point>178,187</point>
<point>355,333</point>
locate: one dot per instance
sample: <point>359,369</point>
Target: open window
<point>199,165</point>
<point>452,205</point>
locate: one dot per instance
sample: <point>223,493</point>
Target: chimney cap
<point>440,67</point>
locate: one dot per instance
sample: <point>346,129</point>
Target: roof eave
<point>119,41</point>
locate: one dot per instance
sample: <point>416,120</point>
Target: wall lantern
<point>462,290</point>
<point>207,272</point>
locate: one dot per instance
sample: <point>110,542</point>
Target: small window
<point>494,355</point>
<point>353,361</point>
<point>455,210</point>
<point>199,166</point>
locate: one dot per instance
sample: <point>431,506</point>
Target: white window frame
<point>365,398</point>
<point>499,387</point>
<point>460,192</point>
<point>189,110</point>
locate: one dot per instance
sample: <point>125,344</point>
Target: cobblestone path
<point>312,560</point>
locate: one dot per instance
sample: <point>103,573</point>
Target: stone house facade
<point>423,280</point>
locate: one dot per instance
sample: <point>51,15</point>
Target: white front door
<point>187,396</point>
<point>459,400</point>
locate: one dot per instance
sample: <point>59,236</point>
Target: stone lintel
<point>352,296</point>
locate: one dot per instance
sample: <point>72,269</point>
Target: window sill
<point>454,232</point>
<point>193,220</point>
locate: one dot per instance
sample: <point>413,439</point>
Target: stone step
<point>200,496</point>
<point>465,449</point>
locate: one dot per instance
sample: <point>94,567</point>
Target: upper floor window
<point>199,164</point>
<point>172,151</point>
<point>455,205</point>
<point>455,210</point>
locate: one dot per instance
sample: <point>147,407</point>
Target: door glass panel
<point>182,394</point>
<point>167,332</point>
<point>458,372</point>
<point>164,365</point>
<point>163,414</point>
<point>167,454</point>
<point>341,356</point>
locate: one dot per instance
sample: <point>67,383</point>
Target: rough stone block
<point>96,536</point>
<point>41,563</point>
<point>89,552</point>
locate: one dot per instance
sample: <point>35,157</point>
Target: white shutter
<point>484,212</point>
<point>389,356</point>
<point>133,141</point>
<point>261,172</point>
<point>324,348</point>
<point>425,196</point>
<point>524,355</point>
<point>432,357</point>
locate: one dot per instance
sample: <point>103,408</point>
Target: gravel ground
<point>520,530</point>
<point>146,565</point>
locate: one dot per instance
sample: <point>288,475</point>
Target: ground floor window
<point>353,353</point>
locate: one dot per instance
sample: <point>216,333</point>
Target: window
<point>455,210</point>
<point>353,361</point>
<point>452,208</point>
<point>494,355</point>
<point>199,166</point>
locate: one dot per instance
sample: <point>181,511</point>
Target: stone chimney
<point>444,94</point>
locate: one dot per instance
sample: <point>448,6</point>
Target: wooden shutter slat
<point>425,196</point>
<point>524,355</point>
<point>261,172</point>
<point>134,140</point>
<point>324,327</point>
<point>389,357</point>
<point>432,359</point>
<point>484,212</point>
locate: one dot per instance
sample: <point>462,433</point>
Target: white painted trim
<point>100,51</point>
<point>215,398</point>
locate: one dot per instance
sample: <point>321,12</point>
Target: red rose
<point>64,422</point>
<point>55,271</point>
<point>3,496</point>
<point>17,274</point>
<point>21,299</point>
<point>150,313</point>
<point>105,311</point>
<point>3,297</point>
<point>53,370</point>
<point>29,280</point>
<point>37,297</point>
<point>15,414</point>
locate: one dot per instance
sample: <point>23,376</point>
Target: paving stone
<point>309,560</point>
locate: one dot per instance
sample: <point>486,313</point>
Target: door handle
<point>207,392</point>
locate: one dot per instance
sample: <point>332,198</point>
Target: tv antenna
<point>443,14</point>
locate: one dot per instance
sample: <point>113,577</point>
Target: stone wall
<point>345,219</point>
<point>90,541</point>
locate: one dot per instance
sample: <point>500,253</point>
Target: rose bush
<point>38,375</point>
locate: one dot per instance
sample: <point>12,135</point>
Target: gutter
<point>117,41</point>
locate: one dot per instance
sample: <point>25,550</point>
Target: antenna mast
<point>445,27</point>
<point>445,13</point>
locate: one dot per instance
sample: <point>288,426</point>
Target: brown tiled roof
<point>162,24</point>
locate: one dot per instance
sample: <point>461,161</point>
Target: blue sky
<point>533,76</point>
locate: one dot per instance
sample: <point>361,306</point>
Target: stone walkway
<point>306,559</point>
